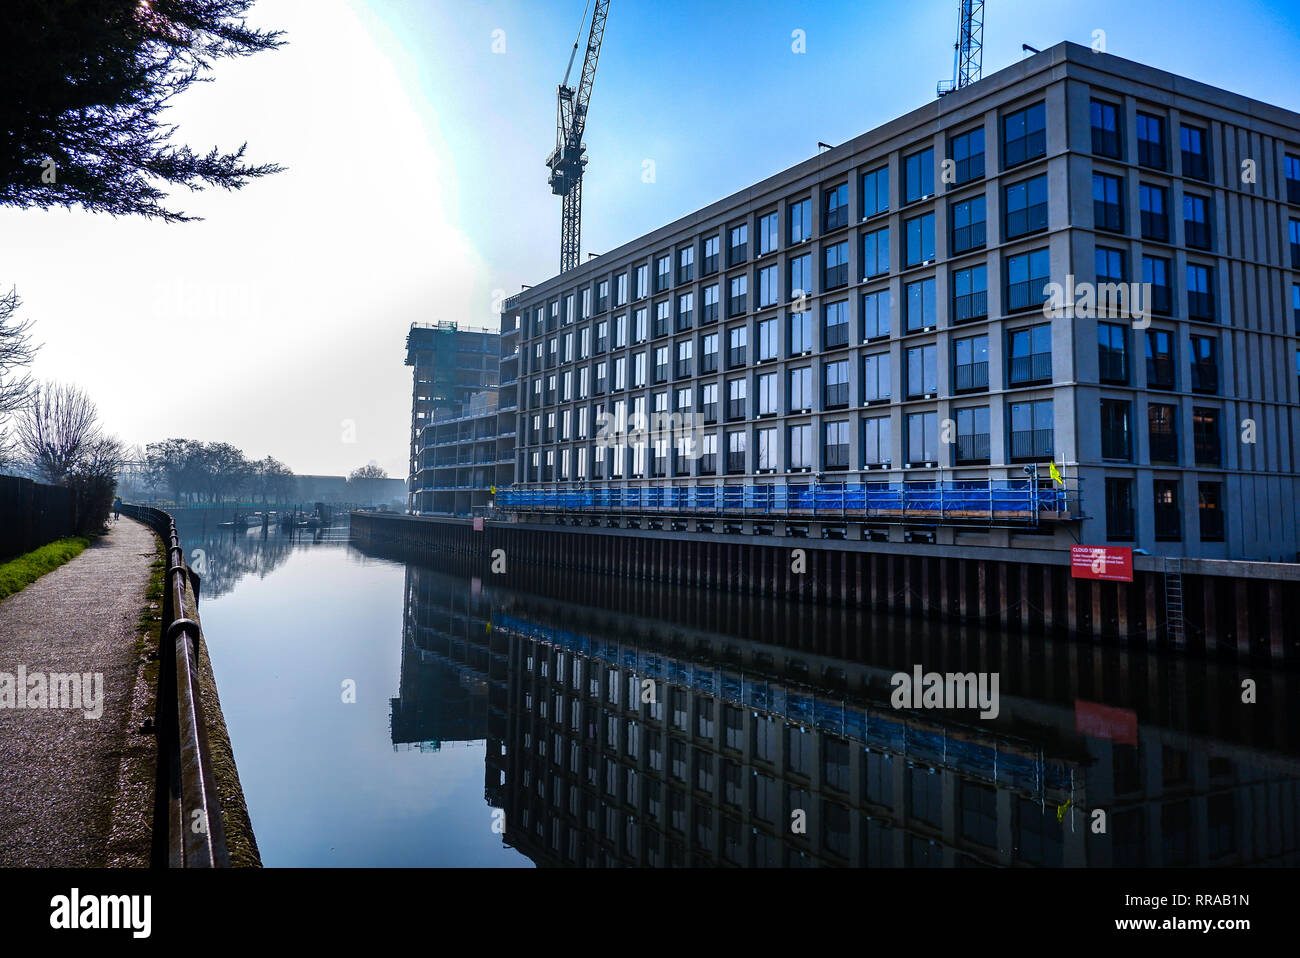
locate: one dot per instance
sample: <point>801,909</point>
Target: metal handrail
<point>188,827</point>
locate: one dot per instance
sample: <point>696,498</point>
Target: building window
<point>1293,230</point>
<point>768,235</point>
<point>709,402</point>
<point>663,273</point>
<point>739,290</point>
<point>875,378</point>
<point>1162,432</point>
<point>1119,510</point>
<point>1205,364</point>
<point>836,384</point>
<point>1195,148</point>
<point>875,253</point>
<point>920,239</point>
<point>711,244</point>
<point>970,369</point>
<point>923,372</point>
<point>768,287</point>
<point>684,358</point>
<point>1160,359</point>
<point>1200,292</point>
<point>1027,277</point>
<point>736,396</point>
<point>921,307</point>
<point>1116,430</point>
<point>801,280</point>
<point>768,340</point>
<point>801,398</point>
<point>918,176</point>
<point>1024,135</point>
<point>709,353</point>
<point>799,447</point>
<point>970,294</point>
<point>800,221</point>
<point>1031,430</point>
<point>1153,211</point>
<point>767,449</point>
<point>1151,141</point>
<point>620,290</point>
<point>1155,270</point>
<point>801,332</point>
<point>876,448</point>
<point>661,364</point>
<point>685,313</point>
<point>768,399</point>
<point>686,264</point>
<point>922,438</point>
<point>709,313</point>
<point>639,289</point>
<point>1165,510</point>
<point>1024,207</point>
<point>835,325</point>
<point>738,244</point>
<point>1107,202</point>
<point>708,462</point>
<point>737,340</point>
<point>973,435</point>
<point>1105,129</point>
<point>835,207</point>
<point>1112,354</point>
<point>835,451</point>
<point>602,296</point>
<point>1196,221</point>
<point>1209,496</point>
<point>639,322</point>
<point>967,153</point>
<point>1205,436</point>
<point>836,266</point>
<point>1291,173</point>
<point>1030,355</point>
<point>875,315</point>
<point>1295,306</point>
<point>969,226</point>
<point>875,192</point>
<point>1110,265</point>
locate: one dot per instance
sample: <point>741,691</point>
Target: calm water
<point>501,722</point>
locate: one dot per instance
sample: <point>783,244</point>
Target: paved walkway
<point>59,770</point>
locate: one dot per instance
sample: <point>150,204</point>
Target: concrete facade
<point>1176,452</point>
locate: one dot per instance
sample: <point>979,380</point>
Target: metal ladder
<point>1174,599</point>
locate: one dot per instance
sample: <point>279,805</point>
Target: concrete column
<point>1209,593</point>
<point>962,602</point>
<point>1072,606</point>
<point>925,586</point>
<point>873,567</point>
<point>982,585</point>
<point>1121,610</point>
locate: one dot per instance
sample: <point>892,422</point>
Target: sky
<point>415,133</point>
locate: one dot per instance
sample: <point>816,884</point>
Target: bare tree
<point>16,353</point>
<point>56,429</point>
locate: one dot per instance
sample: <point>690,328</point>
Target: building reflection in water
<point>637,724</point>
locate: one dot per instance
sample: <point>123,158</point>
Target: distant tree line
<point>193,471</point>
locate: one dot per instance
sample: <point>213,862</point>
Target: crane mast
<point>568,160</point>
<point>968,55</point>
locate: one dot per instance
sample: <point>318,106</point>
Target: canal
<point>401,713</point>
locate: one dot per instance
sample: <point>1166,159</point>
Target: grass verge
<point>17,574</point>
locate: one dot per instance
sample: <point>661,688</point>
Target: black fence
<point>33,514</point>
<point>188,828</point>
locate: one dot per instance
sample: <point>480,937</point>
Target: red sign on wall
<point>1112,563</point>
<point>1106,721</point>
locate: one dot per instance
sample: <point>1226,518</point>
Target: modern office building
<point>875,327</point>
<point>456,441</point>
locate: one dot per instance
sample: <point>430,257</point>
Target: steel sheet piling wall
<point>1022,597</point>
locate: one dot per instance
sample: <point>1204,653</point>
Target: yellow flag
<point>1056,476</point>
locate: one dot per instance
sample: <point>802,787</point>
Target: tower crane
<point>568,161</point>
<point>969,54</point>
